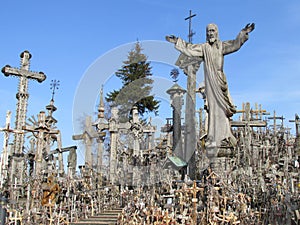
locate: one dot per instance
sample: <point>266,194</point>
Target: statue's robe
<point>220,105</point>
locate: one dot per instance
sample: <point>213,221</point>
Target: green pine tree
<point>135,75</point>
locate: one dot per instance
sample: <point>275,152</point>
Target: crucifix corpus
<point>219,104</point>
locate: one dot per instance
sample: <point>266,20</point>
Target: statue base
<point>219,159</point>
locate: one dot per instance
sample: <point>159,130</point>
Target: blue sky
<point>83,41</point>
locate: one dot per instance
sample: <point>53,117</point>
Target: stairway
<point>108,217</point>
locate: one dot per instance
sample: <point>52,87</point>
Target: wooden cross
<point>259,112</point>
<point>15,216</point>
<point>274,117</point>
<point>167,219</point>
<point>213,176</point>
<point>297,140</point>
<point>87,136</point>
<point>182,191</point>
<point>297,123</point>
<point>194,190</point>
<point>247,120</point>
<point>191,33</point>
<point>50,219</point>
<point>157,214</point>
<point>59,151</point>
<point>242,111</point>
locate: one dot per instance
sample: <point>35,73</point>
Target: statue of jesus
<point>219,104</point>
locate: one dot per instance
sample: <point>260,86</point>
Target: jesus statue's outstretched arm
<point>234,45</point>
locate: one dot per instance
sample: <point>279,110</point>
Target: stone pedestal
<point>219,158</point>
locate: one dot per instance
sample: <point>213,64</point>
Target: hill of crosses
<point>202,167</point>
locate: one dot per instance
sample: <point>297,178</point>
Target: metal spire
<point>101,105</point>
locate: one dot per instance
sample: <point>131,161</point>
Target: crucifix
<point>24,74</point>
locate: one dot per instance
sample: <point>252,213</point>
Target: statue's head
<point>212,33</point>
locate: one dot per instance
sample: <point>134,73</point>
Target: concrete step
<point>108,217</point>
<point>93,223</point>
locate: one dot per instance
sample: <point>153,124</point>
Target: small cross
<point>167,219</point>
<point>297,123</point>
<point>191,33</point>
<point>213,176</point>
<point>276,118</point>
<point>54,86</point>
<point>259,111</point>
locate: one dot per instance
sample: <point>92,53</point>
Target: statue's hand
<point>249,28</point>
<point>171,39</point>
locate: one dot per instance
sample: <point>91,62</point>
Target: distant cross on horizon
<point>54,86</point>
<point>191,33</point>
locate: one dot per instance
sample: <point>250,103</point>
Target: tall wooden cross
<point>191,33</point>
<point>24,74</point>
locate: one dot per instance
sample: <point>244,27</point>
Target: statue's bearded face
<point>211,33</point>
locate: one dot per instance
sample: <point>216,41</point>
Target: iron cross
<point>191,33</point>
